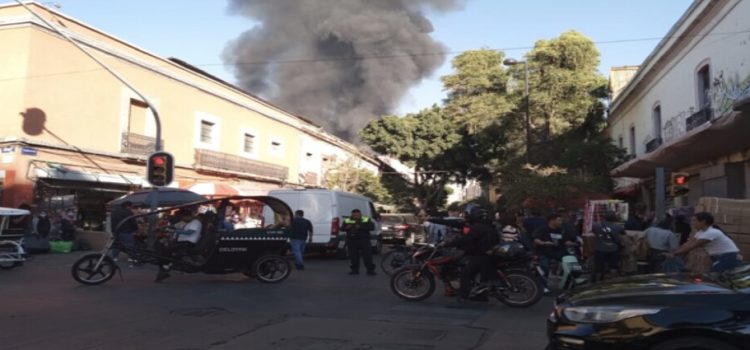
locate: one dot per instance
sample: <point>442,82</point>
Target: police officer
<point>480,239</point>
<point>358,228</point>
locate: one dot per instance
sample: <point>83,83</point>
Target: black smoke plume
<point>338,62</point>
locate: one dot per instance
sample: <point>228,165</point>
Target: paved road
<point>42,307</point>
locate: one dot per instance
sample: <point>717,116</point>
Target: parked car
<point>656,312</point>
<point>401,228</point>
<point>327,209</point>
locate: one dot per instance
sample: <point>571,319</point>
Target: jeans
<point>298,250</point>
<point>724,262</point>
<point>127,239</point>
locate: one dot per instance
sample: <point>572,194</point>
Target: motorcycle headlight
<point>605,314</point>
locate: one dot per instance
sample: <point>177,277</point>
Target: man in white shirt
<point>718,245</point>
<point>187,237</point>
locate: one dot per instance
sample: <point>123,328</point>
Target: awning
<point>13,212</point>
<point>719,137</point>
<point>212,189</point>
<point>85,168</point>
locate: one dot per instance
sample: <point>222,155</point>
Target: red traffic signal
<point>160,169</point>
<point>680,180</point>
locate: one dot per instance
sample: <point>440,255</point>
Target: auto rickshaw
<point>255,252</point>
<point>12,253</point>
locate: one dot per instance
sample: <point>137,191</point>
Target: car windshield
<point>392,220</point>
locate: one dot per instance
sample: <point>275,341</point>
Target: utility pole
<point>157,121</point>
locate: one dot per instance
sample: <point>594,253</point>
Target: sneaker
<point>371,273</point>
<point>162,275</point>
<point>300,267</point>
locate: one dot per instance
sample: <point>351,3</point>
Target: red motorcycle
<point>520,284</point>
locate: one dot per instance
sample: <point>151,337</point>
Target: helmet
<point>478,214</point>
<point>509,250</point>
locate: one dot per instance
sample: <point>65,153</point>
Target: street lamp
<point>512,62</point>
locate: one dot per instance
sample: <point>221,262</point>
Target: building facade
<point>685,109</point>
<point>69,128</point>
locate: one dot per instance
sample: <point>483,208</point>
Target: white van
<point>327,209</point>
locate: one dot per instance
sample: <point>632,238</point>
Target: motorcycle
<point>520,285</point>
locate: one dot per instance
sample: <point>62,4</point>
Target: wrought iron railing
<point>698,118</point>
<point>653,144</point>
<point>138,144</point>
<point>226,161</point>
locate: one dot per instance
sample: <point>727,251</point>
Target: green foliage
<point>479,130</point>
<point>349,178</point>
<point>564,82</point>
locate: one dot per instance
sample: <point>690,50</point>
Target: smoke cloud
<point>340,63</point>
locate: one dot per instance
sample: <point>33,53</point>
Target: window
<point>277,147</point>
<point>632,140</point>
<point>704,85</point>
<point>137,117</point>
<point>206,131</point>
<point>248,143</point>
<point>656,115</point>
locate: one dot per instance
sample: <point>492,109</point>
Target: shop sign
<point>8,149</point>
<point>28,151</point>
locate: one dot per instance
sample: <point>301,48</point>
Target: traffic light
<point>160,169</point>
<point>679,184</point>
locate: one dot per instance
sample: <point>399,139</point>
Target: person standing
<point>357,229</point>
<point>535,222</point>
<point>682,228</point>
<point>548,242</point>
<point>302,231</point>
<point>124,230</point>
<point>718,245</point>
<point>608,235</point>
<point>660,240</point>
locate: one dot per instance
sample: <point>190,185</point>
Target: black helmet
<point>478,214</point>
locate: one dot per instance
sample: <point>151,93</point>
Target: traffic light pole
<point>661,195</point>
<point>157,144</point>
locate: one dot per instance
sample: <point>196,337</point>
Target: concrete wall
<point>72,100</point>
<point>672,84</point>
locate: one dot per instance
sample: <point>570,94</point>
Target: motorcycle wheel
<point>394,260</point>
<point>84,270</point>
<point>524,290</point>
<point>271,269</point>
<point>413,284</point>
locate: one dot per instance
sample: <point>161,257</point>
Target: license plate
<point>556,236</point>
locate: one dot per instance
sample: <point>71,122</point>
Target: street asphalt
<point>320,308</point>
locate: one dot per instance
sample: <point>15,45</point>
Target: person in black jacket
<point>476,244</point>
<point>124,230</point>
<point>358,228</point>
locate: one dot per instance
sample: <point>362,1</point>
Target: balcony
<point>698,118</point>
<point>654,144</point>
<point>138,144</point>
<point>230,162</point>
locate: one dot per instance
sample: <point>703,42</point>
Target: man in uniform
<point>358,228</point>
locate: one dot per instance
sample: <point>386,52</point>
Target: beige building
<point>69,128</point>
<point>683,109</point>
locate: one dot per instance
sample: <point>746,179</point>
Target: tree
<point>421,140</point>
<point>349,178</point>
<point>564,83</point>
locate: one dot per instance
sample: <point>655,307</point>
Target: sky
<point>198,30</point>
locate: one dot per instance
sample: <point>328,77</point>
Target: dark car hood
<point>645,285</point>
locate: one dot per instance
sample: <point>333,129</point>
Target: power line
<point>387,56</point>
<point>448,53</point>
